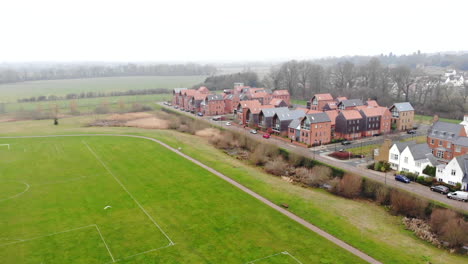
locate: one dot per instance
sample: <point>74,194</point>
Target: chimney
<point>435,119</point>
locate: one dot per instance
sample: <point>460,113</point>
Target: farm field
<point>115,199</point>
<point>11,92</point>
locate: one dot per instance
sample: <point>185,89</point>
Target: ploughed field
<point>116,199</point>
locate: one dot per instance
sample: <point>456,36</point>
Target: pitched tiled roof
<point>461,141</point>
<point>332,105</point>
<point>203,89</point>
<point>419,151</point>
<point>280,92</point>
<point>402,107</point>
<point>289,114</point>
<point>318,118</point>
<point>332,114</point>
<point>351,102</point>
<point>372,103</point>
<point>307,111</point>
<point>383,110</point>
<point>296,124</point>
<point>341,98</point>
<point>199,96</point>
<point>371,112</point>
<point>251,104</point>
<point>270,112</point>
<point>256,110</point>
<point>402,145</point>
<point>463,162</point>
<point>351,114</point>
<point>215,97</point>
<point>444,130</point>
<point>276,101</point>
<point>325,96</point>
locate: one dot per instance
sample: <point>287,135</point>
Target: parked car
<point>169,104</point>
<point>346,142</point>
<point>176,106</point>
<point>228,123</point>
<point>440,189</point>
<point>199,114</point>
<point>412,131</point>
<point>266,135</point>
<point>165,103</point>
<point>253,131</point>
<point>458,195</point>
<point>402,178</point>
<point>376,135</point>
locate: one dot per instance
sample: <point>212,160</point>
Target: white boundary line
<point>271,256</point>
<point>6,145</point>
<point>52,234</point>
<point>171,243</point>
<point>108,250</point>
<point>18,194</point>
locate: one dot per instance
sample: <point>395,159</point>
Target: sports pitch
<point>129,200</point>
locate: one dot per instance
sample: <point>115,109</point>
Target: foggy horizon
<point>229,32</point>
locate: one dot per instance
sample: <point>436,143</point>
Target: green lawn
<point>14,91</point>
<point>53,193</point>
<point>428,119</point>
<point>300,102</point>
<point>365,150</point>
<point>362,224</point>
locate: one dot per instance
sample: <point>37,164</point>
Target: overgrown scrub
<point>314,177</point>
<point>450,227</point>
<point>350,186</point>
<point>277,167</point>
<point>407,205</point>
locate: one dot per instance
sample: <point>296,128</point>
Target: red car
<point>266,135</point>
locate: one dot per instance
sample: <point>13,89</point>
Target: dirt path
<point>285,212</point>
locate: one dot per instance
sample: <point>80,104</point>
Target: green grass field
<point>53,193</point>
<point>11,92</point>
<point>364,150</point>
<point>428,119</point>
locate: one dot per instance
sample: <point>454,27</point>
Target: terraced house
<point>312,129</point>
<point>349,125</point>
<point>447,140</point>
<point>213,105</point>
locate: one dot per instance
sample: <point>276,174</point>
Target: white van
<point>458,195</point>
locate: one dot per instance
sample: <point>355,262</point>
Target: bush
<point>369,188</point>
<point>257,157</point>
<point>439,218</point>
<point>102,109</point>
<point>316,176</point>
<point>380,166</point>
<point>455,232</point>
<point>295,159</point>
<point>429,170</point>
<point>428,181</point>
<point>350,186</point>
<point>405,204</point>
<point>277,167</point>
<point>382,195</point>
<point>342,155</point>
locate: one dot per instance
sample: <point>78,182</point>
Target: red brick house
<point>213,105</point>
<point>283,95</point>
<point>386,120</point>
<point>177,96</point>
<point>319,101</point>
<point>312,129</point>
<point>348,125</point>
<point>447,140</point>
<point>332,114</point>
<point>230,103</point>
<point>241,110</point>
<point>350,104</point>
<point>276,102</point>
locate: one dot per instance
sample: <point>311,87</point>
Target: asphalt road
<point>257,196</point>
<point>355,166</point>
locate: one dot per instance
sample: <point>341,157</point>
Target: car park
<point>458,195</point>
<point>402,178</point>
<point>266,135</point>
<point>253,131</point>
<point>346,142</point>
<point>440,189</point>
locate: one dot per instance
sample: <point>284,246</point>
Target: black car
<point>412,131</point>
<point>440,189</point>
<point>346,142</point>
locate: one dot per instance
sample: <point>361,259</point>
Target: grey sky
<point>205,30</point>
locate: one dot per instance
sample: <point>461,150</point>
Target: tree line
<point>71,96</point>
<point>10,74</point>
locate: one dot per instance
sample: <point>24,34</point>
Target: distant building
<point>348,125</point>
<point>447,140</point>
<point>455,172</point>
<point>312,129</point>
<point>402,116</point>
<point>319,101</point>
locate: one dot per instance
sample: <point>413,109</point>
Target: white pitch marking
<point>16,195</point>
<point>53,234</point>
<point>270,256</point>
<point>125,189</point>
<point>108,250</point>
<point>8,145</point>
<point>107,207</point>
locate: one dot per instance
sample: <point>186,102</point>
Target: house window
<point>418,164</point>
<point>449,145</point>
<point>405,169</point>
<point>406,159</point>
<point>453,172</point>
<point>395,156</point>
<point>432,141</point>
<point>440,143</point>
<point>440,154</point>
<point>457,149</point>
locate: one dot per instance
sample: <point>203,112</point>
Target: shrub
<point>102,109</point>
<point>257,157</point>
<point>342,155</point>
<point>295,159</point>
<point>429,170</point>
<point>277,167</point>
<point>407,205</point>
<point>314,177</point>
<point>455,232</point>
<point>439,218</point>
<point>428,181</point>
<point>382,195</point>
<point>350,186</point>
<point>369,188</point>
